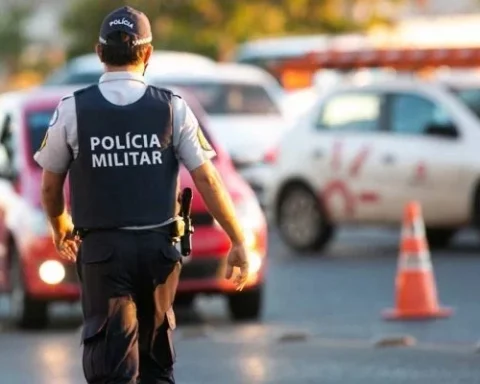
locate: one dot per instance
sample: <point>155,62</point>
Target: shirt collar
<point>118,76</point>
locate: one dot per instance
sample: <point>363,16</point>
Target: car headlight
<point>52,272</point>
<point>254,262</point>
<point>249,213</point>
<point>252,219</point>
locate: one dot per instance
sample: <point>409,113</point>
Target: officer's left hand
<point>64,239</point>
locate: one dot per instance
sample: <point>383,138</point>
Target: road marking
<point>312,339</point>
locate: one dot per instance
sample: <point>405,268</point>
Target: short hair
<point>119,50</point>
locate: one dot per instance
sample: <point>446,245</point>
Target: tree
<point>214,27</point>
<point>12,35</point>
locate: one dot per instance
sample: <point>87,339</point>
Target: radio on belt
<point>185,209</point>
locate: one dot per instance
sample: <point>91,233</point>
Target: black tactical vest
<point>126,170</point>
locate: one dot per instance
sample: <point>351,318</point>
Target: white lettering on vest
<point>134,157</point>
<point>94,141</point>
<point>118,144</point>
<point>144,159</point>
<point>134,141</point>
<point>154,142</point>
<point>118,153</point>
<point>99,160</point>
<point>108,143</point>
<point>157,157</point>
<point>116,162</point>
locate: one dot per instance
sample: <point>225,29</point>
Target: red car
<point>30,269</point>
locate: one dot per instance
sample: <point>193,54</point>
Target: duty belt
<point>172,229</point>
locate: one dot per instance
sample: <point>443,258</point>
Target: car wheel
<point>25,311</point>
<point>302,221</point>
<point>439,237</point>
<point>246,304</point>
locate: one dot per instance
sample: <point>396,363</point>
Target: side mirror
<point>447,130</point>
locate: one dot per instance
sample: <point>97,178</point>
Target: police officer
<point>121,142</point>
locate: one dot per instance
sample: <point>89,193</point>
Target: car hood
<point>247,138</point>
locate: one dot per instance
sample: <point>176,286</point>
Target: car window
<point>73,78</point>
<point>351,112</point>
<point>470,97</point>
<point>412,114</point>
<point>37,124</point>
<point>229,98</point>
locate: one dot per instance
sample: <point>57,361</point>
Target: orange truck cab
<point>299,72</point>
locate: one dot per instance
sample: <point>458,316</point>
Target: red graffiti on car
<point>339,187</point>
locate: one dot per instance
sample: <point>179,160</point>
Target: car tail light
<point>271,156</point>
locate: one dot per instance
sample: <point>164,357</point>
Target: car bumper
<point>206,275</point>
<point>203,273</point>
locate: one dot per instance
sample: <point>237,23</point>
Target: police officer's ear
<point>98,50</point>
<point>148,53</point>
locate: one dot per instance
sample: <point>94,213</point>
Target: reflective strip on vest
<point>415,262</point>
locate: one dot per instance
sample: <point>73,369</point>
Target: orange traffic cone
<point>416,291</point>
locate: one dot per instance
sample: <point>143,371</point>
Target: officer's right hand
<point>237,257</point>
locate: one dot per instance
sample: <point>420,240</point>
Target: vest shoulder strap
<point>83,90</point>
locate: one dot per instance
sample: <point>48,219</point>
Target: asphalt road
<point>322,320</point>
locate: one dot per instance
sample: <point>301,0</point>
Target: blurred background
<point>331,119</point>
<point>40,35</point>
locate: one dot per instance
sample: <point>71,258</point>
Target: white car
<point>364,151</point>
<point>87,69</point>
<point>243,104</point>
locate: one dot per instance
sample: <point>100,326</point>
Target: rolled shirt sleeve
<point>192,148</point>
<point>55,154</point>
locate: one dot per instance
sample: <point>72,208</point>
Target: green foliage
<point>213,27</point>
<point>12,35</point>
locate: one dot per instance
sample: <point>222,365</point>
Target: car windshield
<point>470,97</point>
<point>229,98</point>
<point>37,123</point>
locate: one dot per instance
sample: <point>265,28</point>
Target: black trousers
<point>128,281</point>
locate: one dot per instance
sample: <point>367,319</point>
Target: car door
<point>426,163</point>
<point>342,155</point>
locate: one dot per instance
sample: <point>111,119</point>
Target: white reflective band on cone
<point>417,229</point>
<point>414,262</point>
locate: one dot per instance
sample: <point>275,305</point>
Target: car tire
<point>246,305</point>
<point>184,300</point>
<point>302,220</point>
<point>26,312</point>
<point>439,238</point>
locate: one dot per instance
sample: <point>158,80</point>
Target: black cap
<point>130,21</point>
